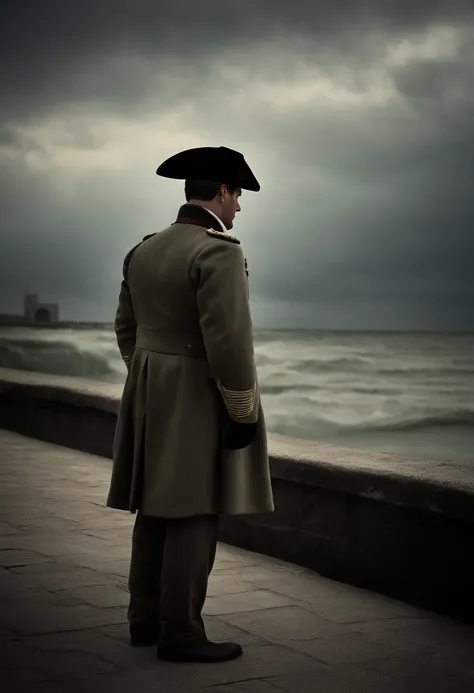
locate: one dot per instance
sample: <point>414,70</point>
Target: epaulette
<point>223,236</point>
<point>128,256</point>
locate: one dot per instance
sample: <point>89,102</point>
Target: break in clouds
<point>356,118</point>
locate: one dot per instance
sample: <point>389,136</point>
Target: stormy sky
<point>356,117</point>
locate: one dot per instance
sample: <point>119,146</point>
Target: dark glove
<point>238,436</point>
<point>235,436</point>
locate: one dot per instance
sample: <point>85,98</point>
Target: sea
<point>405,393</point>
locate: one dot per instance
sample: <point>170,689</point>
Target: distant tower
<point>31,305</point>
<point>37,313</point>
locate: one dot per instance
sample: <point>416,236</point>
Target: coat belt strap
<point>163,342</point>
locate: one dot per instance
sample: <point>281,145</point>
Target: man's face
<point>230,206</point>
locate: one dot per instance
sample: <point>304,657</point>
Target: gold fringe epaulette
<point>240,403</point>
<point>223,236</point>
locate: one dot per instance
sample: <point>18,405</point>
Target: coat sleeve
<point>125,323</point>
<point>226,325</point>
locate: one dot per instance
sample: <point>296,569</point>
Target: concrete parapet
<point>397,525</point>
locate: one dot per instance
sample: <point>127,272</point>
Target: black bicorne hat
<point>218,164</point>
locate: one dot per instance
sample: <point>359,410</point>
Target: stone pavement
<point>63,591</point>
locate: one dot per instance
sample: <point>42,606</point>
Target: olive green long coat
<point>184,329</point>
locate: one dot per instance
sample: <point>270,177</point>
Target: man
<point>190,443</point>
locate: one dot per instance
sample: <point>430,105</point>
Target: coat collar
<point>193,214</point>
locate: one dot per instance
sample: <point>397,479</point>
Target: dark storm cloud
<point>366,205</point>
<point>53,248</point>
<point>400,197</point>
<point>53,51</point>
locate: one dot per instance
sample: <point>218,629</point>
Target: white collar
<point>216,217</point>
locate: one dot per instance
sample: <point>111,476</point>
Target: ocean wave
<point>296,389</point>
<point>314,363</point>
<point>338,423</point>
<point>336,363</point>
<point>425,371</point>
<point>329,391</point>
<point>60,357</point>
<point>461,417</point>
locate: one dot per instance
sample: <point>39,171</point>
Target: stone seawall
<point>397,525</point>
<point>22,321</point>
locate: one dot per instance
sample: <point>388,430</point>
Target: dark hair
<point>203,189</point>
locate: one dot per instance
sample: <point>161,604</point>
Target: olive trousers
<point>171,561</point>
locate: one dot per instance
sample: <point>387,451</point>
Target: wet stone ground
<point>63,590</point>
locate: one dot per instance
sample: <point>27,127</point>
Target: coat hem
<point>196,513</point>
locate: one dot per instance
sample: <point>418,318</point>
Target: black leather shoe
<point>144,635</point>
<point>197,650</point>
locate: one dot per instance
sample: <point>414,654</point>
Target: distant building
<point>44,315</point>
<point>40,313</point>
<point>34,314</point>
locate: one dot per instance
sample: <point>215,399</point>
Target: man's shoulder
<point>131,252</point>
